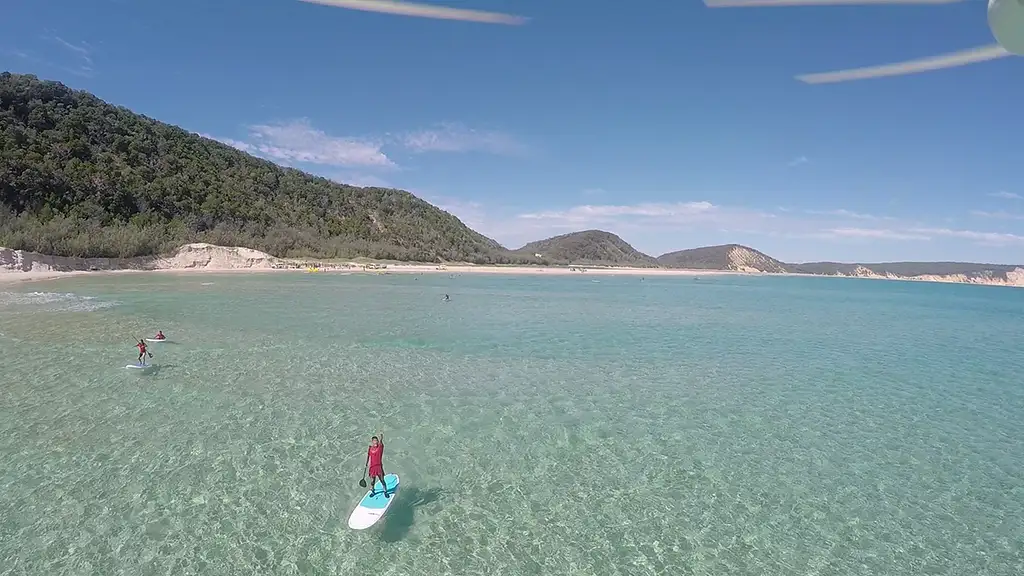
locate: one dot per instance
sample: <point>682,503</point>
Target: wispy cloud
<point>361,180</point>
<point>1000,214</point>
<point>297,141</point>
<point>704,218</point>
<point>873,234</point>
<point>419,10</point>
<point>651,212</point>
<point>1006,195</point>
<point>984,238</point>
<point>82,52</point>
<point>455,137</point>
<point>799,160</point>
<point>843,213</point>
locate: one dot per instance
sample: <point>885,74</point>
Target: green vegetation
<point>83,178</point>
<point>80,177</point>
<point>589,247</point>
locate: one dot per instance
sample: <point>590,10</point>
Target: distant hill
<point>725,257</point>
<point>592,247</point>
<point>970,272</point>
<point>81,177</point>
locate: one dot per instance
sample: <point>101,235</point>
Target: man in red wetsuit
<point>374,464</point>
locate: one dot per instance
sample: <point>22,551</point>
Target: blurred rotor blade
<point>420,10</point>
<point>952,60</point>
<point>771,3</point>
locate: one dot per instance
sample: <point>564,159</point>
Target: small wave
<point>52,302</point>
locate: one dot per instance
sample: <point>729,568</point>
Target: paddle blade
<point>362,483</point>
<point>772,3</point>
<point>952,60</point>
<point>420,10</point>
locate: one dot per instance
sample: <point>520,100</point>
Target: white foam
<point>52,302</point>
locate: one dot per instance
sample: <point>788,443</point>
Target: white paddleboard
<point>156,340</point>
<point>139,366</point>
<point>372,508</point>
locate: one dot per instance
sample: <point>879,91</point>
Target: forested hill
<point>589,247</point>
<point>81,177</point>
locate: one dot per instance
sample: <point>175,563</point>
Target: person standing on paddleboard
<point>374,463</point>
<point>142,351</point>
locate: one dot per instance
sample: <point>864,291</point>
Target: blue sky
<point>669,123</point>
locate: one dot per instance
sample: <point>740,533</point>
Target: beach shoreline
<point>14,276</point>
<point>18,266</point>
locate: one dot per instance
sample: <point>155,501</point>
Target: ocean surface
<point>541,426</point>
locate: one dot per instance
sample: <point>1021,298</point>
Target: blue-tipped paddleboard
<point>139,366</point>
<point>371,508</point>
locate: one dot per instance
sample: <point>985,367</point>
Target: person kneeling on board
<point>374,462</point>
<point>160,335</point>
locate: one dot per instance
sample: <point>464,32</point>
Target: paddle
<point>362,481</point>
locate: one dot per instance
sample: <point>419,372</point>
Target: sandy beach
<point>20,266</point>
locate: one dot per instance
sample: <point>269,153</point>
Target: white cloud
<point>1007,195</point>
<point>874,234</point>
<point>843,213</point>
<point>590,215</point>
<point>454,137</point>
<point>1001,214</point>
<point>243,146</point>
<point>298,141</point>
<point>82,52</point>
<point>798,161</point>
<point>361,180</point>
<point>984,238</point>
<point>692,222</point>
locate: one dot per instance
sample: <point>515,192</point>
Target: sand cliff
<point>189,256</point>
<point>1014,277</point>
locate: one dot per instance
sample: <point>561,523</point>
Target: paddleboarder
<point>142,352</point>
<point>374,463</point>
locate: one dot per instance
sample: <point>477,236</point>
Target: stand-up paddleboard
<point>139,366</point>
<point>156,340</point>
<point>371,508</point>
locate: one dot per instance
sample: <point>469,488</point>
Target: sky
<point>664,121</point>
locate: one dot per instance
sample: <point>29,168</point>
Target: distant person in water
<point>374,463</point>
<point>142,351</point>
<point>160,335</point>
<point>446,298</point>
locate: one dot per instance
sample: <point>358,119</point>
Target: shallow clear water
<point>731,425</point>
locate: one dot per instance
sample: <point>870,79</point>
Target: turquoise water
<point>732,425</point>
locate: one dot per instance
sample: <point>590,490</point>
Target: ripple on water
<point>705,431</point>
<point>15,302</point>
